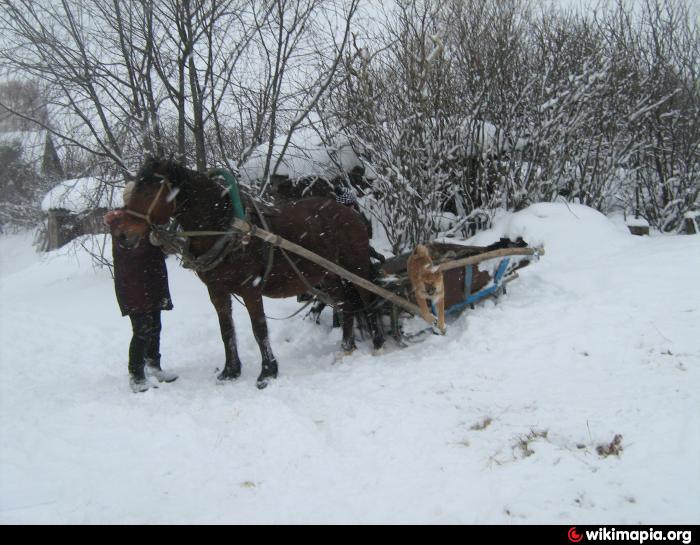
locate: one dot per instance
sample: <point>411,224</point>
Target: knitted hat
<point>344,195</point>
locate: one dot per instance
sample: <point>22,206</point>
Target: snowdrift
<point>512,417</point>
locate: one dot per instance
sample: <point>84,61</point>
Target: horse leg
<point>256,311</point>
<point>370,305</point>
<point>222,303</point>
<point>348,308</point>
<point>348,345</point>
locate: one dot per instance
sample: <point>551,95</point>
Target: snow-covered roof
<point>82,194</point>
<point>306,156</point>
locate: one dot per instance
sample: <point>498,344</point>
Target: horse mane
<point>179,176</point>
<point>156,167</point>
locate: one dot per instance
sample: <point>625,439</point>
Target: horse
<point>165,189</point>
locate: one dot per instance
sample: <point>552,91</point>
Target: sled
<point>470,274</point>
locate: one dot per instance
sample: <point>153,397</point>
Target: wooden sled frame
<point>462,271</point>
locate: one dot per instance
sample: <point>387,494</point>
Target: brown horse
<point>166,189</point>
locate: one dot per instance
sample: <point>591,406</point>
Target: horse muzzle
<point>127,239</point>
<point>126,231</point>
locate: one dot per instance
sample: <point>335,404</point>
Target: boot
<point>137,377</point>
<point>140,384</point>
<point>153,370</point>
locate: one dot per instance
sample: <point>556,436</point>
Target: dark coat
<point>140,278</point>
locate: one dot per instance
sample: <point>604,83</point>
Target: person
<point>344,195</point>
<point>141,287</point>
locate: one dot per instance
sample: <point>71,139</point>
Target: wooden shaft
<point>276,240</point>
<point>487,255</point>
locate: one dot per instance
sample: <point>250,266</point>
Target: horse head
<point>149,200</point>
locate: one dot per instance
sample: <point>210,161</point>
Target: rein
<point>205,262</point>
<point>172,242</point>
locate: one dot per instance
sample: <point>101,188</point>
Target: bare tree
<point>86,55</point>
<point>201,70</point>
<point>457,105</point>
<point>26,98</point>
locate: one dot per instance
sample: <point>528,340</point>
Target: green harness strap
<point>239,212</point>
<point>233,192</point>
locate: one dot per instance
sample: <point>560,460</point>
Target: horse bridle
<point>164,184</point>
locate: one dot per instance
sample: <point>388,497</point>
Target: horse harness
<point>227,243</point>
<point>177,242</point>
<point>170,198</point>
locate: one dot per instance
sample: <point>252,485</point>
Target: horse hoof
<point>378,351</point>
<point>226,376</point>
<point>347,349</point>
<point>338,356</point>
<point>264,382</point>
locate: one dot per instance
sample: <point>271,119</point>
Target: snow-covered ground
<point>498,422</point>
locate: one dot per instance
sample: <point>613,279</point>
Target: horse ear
<point>176,173</point>
<point>158,168</point>
<point>146,169</point>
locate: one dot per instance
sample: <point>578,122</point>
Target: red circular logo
<point>574,536</point>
